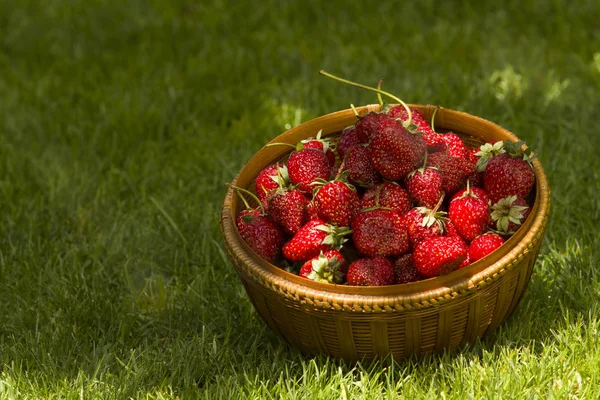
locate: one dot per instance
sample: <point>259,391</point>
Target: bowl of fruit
<point>387,229</point>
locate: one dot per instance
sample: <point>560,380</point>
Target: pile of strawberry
<point>391,201</point>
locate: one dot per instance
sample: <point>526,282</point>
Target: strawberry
<point>336,202</point>
<point>509,173</point>
<point>465,262</point>
<point>317,143</point>
<point>311,210</point>
<point>454,171</point>
<point>433,140</point>
<point>315,236</point>
<point>424,185</point>
<point>476,178</point>
<point>288,209</point>
<point>469,213</point>
<point>357,163</point>
<point>380,232</point>
<point>476,191</point>
<point>405,270</point>
<point>347,140</point>
<point>439,255</point>
<point>375,271</point>
<point>258,231</point>
<point>483,245</point>
<point>471,154</point>
<point>456,147</point>
<point>508,214</point>
<point>327,267</point>
<point>394,151</point>
<point>306,166</point>
<point>368,125</point>
<point>270,179</point>
<point>450,229</point>
<point>262,235</point>
<point>387,195</point>
<point>422,223</point>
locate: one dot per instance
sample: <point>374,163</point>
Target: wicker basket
<point>416,318</point>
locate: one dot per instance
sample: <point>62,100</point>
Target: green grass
<point>119,122</point>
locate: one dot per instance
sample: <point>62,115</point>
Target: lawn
<point>120,122</point>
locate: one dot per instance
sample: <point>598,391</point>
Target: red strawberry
<point>245,217</point>
<point>469,213</point>
<point>478,192</point>
<point>454,171</point>
<point>471,155</point>
<point>394,151</point>
<point>306,166</point>
<point>380,232</point>
<point>288,209</point>
<point>327,267</point>
<point>439,255</point>
<point>508,214</point>
<point>336,202</point>
<point>357,163</point>
<point>319,144</point>
<point>405,270</point>
<point>311,210</point>
<point>433,140</point>
<point>465,262</point>
<point>387,195</point>
<point>270,179</point>
<point>424,185</point>
<point>347,140</point>
<point>368,125</point>
<point>400,112</point>
<point>315,236</point>
<point>260,233</point>
<point>509,173</point>
<point>450,229</point>
<point>456,147</point>
<point>476,178</point>
<point>375,271</point>
<point>263,236</point>
<point>483,245</point>
<point>422,223</point>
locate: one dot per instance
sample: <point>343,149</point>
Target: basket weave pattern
<point>417,318</point>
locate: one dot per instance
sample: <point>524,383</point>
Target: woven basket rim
<point>419,294</point>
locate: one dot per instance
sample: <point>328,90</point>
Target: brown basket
<point>415,318</point>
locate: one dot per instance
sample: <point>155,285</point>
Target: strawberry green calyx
<point>433,216</point>
<point>342,176</point>
<point>282,179</point>
<point>408,122</point>
<point>505,212</point>
<point>515,151</point>
<point>335,235</point>
<point>326,269</point>
<point>487,152</point>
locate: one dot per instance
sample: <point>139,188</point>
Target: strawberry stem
<point>355,111</point>
<point>238,189</point>
<point>280,144</point>
<point>439,203</point>
<point>377,194</point>
<point>379,94</point>
<point>372,89</point>
<point>433,118</point>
